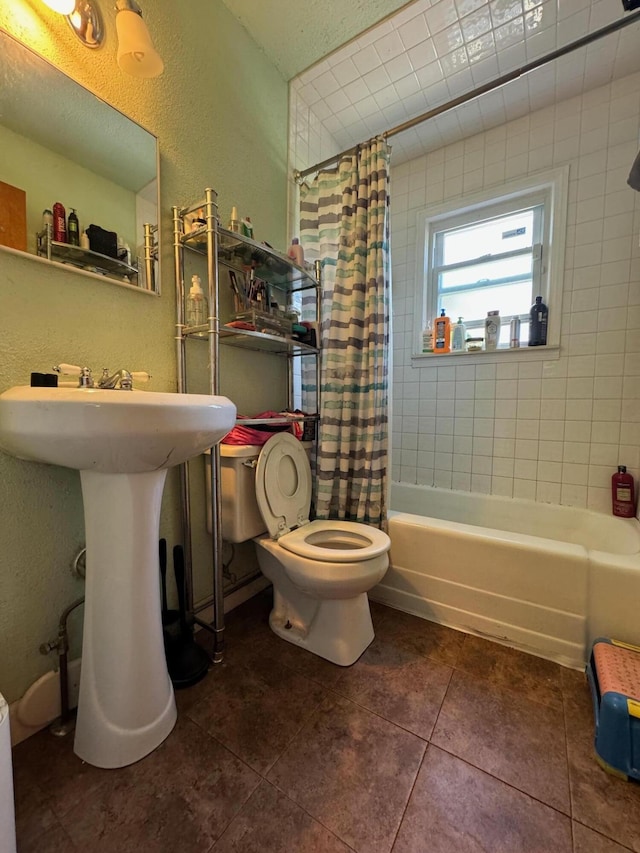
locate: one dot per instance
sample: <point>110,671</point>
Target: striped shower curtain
<point>344,223</point>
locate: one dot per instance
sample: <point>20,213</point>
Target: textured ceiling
<point>296,34</point>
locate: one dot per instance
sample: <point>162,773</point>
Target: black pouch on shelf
<point>104,242</point>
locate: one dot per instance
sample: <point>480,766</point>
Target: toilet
<point>321,571</point>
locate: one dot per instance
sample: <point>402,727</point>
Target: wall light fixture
<point>136,54</point>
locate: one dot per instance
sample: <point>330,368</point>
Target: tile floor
<point>433,742</point>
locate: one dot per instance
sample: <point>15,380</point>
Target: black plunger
<point>169,617</point>
<point>187,662</point>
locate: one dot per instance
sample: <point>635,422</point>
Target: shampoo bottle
<point>492,331</point>
<point>73,228</point>
<point>196,313</point>
<point>538,319</point>
<point>623,493</point>
<point>442,333</point>
<point>458,336</point>
<point>296,252</point>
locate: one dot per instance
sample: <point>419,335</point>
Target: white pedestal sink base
<point>126,706</point>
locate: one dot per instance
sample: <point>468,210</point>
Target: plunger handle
<point>162,554</point>
<point>178,568</point>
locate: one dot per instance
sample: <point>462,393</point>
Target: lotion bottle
<point>296,252</point>
<point>623,493</point>
<point>458,336</point>
<point>196,308</point>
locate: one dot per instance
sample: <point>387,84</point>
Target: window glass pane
<point>493,237</point>
<point>473,305</point>
<point>485,272</point>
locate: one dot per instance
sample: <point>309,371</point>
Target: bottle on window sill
<point>538,321</point>
<point>442,333</point>
<point>458,336</point>
<point>492,331</point>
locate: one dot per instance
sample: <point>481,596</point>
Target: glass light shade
<point>64,7</point>
<point>136,53</point>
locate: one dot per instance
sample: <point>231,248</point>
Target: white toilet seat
<point>336,541</point>
<point>283,484</point>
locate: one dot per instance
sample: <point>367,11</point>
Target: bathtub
<point>542,578</point>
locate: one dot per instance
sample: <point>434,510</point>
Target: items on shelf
<point>259,433</point>
<point>296,252</point>
<point>73,228</point>
<point>492,331</point>
<point>196,307</point>
<point>234,222</point>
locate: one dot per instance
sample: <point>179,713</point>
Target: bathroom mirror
<point>61,143</point>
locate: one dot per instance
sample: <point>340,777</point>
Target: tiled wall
<point>551,430</point>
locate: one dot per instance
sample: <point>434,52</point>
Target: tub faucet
<point>120,379</point>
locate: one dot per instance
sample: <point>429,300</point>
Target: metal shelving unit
<point>220,246</point>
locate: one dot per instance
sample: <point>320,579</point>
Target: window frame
<point>551,187</point>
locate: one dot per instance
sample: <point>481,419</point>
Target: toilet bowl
<point>321,571</point>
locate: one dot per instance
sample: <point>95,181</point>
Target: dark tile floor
<point>433,742</point>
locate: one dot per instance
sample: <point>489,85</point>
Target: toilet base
<point>339,630</point>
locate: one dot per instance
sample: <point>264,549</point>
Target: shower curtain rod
<point>480,90</point>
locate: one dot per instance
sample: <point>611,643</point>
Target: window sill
<point>431,359</point>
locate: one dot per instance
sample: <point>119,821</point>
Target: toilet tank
<point>240,516</point>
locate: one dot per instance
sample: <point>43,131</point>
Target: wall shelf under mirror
<point>61,143</point>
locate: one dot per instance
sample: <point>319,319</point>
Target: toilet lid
<point>283,484</point>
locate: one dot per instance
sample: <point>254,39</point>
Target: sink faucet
<point>120,379</point>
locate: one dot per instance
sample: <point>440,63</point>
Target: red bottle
<point>59,223</point>
<point>623,493</point>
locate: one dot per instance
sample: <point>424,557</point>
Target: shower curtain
<point>344,218</point>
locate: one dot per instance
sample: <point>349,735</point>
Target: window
<point>497,252</point>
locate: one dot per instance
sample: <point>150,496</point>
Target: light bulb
<point>64,7</point>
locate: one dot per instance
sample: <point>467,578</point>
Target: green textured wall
<point>220,113</point>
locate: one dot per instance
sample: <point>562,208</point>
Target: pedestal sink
<point>122,442</point>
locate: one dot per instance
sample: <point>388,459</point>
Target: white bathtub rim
<point>528,508</point>
<point>488,534</point>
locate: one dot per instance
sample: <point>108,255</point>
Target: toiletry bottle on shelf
<point>492,331</point>
<point>458,336</point>
<point>442,333</point>
<point>247,227</point>
<point>427,339</point>
<point>47,221</point>
<point>84,241</point>
<point>623,494</point>
<point>538,319</point>
<point>196,308</point>
<point>73,228</point>
<point>296,252</point>
<point>59,223</point>
<point>234,222</point>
